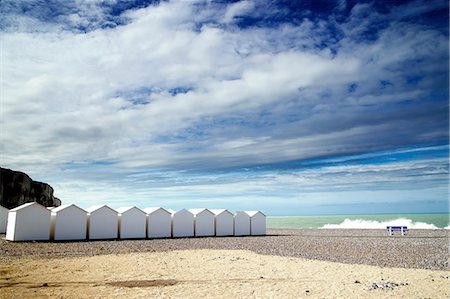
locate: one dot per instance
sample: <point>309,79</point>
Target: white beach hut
<point>102,223</point>
<point>224,222</point>
<point>3,219</point>
<point>68,222</point>
<point>203,222</point>
<point>159,223</point>
<point>28,222</point>
<point>132,223</point>
<point>241,224</point>
<point>182,224</point>
<point>257,223</point>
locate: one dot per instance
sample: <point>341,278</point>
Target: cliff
<point>17,188</point>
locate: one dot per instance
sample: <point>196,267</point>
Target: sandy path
<point>211,274</point>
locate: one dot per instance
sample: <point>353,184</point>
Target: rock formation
<point>17,188</point>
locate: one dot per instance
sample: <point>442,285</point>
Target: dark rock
<point>384,285</point>
<point>357,281</point>
<point>45,284</point>
<point>17,188</point>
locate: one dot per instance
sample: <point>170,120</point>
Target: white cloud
<point>238,9</point>
<point>249,96</point>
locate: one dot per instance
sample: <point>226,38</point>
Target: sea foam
<point>373,224</point>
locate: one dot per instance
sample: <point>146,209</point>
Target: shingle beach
<point>423,249</point>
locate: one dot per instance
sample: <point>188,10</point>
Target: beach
<point>285,264</point>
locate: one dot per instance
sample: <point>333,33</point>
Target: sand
<point>295,263</point>
<point>207,273</point>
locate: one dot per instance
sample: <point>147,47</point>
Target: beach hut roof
<point>198,211</point>
<point>253,213</point>
<point>124,209</point>
<point>26,205</point>
<point>95,208</point>
<point>179,211</point>
<point>62,207</point>
<point>153,209</point>
<point>220,211</point>
<point>241,212</point>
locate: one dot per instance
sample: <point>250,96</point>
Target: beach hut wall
<point>132,223</point>
<point>241,224</point>
<point>159,223</point>
<point>182,224</point>
<point>28,222</point>
<point>203,222</point>
<point>257,223</point>
<point>3,219</point>
<point>224,222</point>
<point>102,223</point>
<point>68,222</point>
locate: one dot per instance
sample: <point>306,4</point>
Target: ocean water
<point>414,221</point>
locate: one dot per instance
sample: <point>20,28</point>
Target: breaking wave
<point>373,224</point>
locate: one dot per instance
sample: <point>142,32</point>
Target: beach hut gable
<point>30,221</point>
<point>224,222</point>
<point>68,222</point>
<point>3,219</point>
<point>103,223</point>
<point>182,224</point>
<point>93,209</point>
<point>67,207</point>
<point>132,223</point>
<point>241,224</point>
<point>203,222</point>
<point>159,222</point>
<point>257,223</point>
<point>122,210</point>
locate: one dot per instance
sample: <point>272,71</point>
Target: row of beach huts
<point>32,221</point>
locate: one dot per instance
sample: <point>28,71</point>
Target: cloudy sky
<point>291,107</point>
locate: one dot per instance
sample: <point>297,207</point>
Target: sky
<point>289,107</point>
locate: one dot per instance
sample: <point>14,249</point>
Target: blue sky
<point>291,107</point>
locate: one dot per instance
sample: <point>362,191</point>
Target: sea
<point>373,221</point>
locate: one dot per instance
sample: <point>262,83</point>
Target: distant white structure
<point>28,222</point>
<point>257,223</point>
<point>159,223</point>
<point>203,222</point>
<point>102,223</point>
<point>182,224</point>
<point>241,224</point>
<point>68,222</point>
<point>224,222</point>
<point>132,223</point>
<point>3,219</point>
